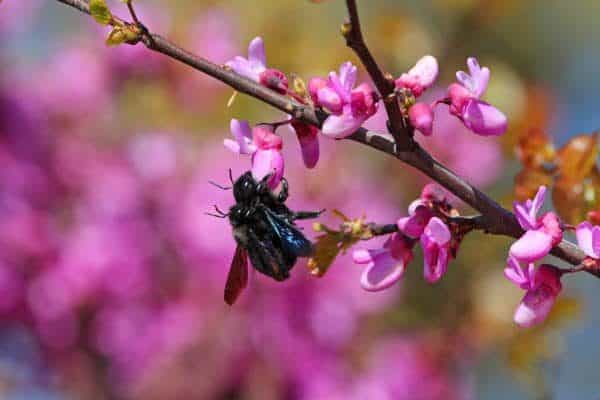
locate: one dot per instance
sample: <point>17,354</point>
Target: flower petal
<point>382,273</point>
<point>435,260</point>
<point>329,98</point>
<point>421,117</point>
<point>362,256</point>
<point>538,202</point>
<point>232,145</point>
<point>585,239</point>
<point>532,246</point>
<point>265,162</point>
<point>256,54</point>
<point>341,126</point>
<point>515,273</point>
<point>426,71</point>
<point>523,216</point>
<point>534,308</point>
<point>242,133</point>
<point>243,67</point>
<point>483,118</point>
<point>481,76</point>
<point>413,225</point>
<point>266,139</point>
<point>437,231</point>
<point>310,150</point>
<point>348,73</point>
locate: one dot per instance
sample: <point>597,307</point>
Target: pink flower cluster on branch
<point>349,107</point>
<point>464,98</point>
<point>542,284</point>
<point>425,224</point>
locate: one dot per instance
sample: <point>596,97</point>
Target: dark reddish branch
<point>385,86</point>
<point>494,219</point>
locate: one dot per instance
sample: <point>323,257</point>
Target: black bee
<point>264,230</point>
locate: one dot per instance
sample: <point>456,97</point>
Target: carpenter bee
<point>264,230</point>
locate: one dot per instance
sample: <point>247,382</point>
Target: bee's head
<point>244,188</point>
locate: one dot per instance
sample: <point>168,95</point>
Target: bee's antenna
<point>219,186</point>
<point>231,176</point>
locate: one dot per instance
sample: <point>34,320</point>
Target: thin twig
<point>385,86</point>
<point>495,219</point>
<point>381,230</point>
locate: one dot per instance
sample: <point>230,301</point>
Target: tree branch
<point>494,219</point>
<point>403,135</point>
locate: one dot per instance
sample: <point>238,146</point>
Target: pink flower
<point>420,77</point>
<point>479,116</point>
<point>418,217</point>
<point>541,234</point>
<point>385,266</point>
<point>263,145</point>
<point>255,67</point>
<point>542,287</point>
<point>309,142</point>
<point>588,237</point>
<point>435,241</point>
<point>420,116</point>
<point>349,107</point>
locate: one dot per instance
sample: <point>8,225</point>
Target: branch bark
<point>494,218</point>
<point>352,31</point>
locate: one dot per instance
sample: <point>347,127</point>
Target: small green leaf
<point>123,34</point>
<point>116,37</point>
<point>332,243</point>
<point>100,12</point>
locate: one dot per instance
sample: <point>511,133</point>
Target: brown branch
<point>494,219</point>
<point>385,85</point>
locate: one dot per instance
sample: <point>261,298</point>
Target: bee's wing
<point>237,279</point>
<point>293,242</point>
<point>266,257</point>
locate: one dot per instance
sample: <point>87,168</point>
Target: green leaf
<point>333,242</point>
<point>100,12</point>
<point>116,37</point>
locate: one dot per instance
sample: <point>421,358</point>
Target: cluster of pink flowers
<point>428,223</point>
<point>424,223</point>
<point>542,284</point>
<point>463,97</point>
<point>349,107</point>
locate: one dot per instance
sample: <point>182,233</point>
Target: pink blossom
<point>263,145</point>
<point>588,238</point>
<point>435,241</point>
<point>420,77</point>
<point>541,234</point>
<point>385,266</point>
<point>477,115</point>
<point>418,217</point>
<point>255,67</point>
<point>350,107</point>
<point>309,142</point>
<point>420,116</point>
<point>542,286</point>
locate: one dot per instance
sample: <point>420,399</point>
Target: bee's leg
<point>306,214</point>
<point>263,185</point>
<point>284,192</point>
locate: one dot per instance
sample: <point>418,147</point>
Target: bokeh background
<point>111,275</point>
